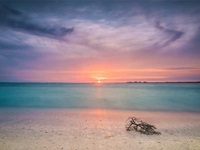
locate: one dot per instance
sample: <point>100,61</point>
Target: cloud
<point>194,44</point>
<point>108,36</point>
<point>12,46</point>
<point>173,34</point>
<point>182,68</point>
<point>19,21</point>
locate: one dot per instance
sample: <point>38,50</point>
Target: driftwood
<point>140,126</point>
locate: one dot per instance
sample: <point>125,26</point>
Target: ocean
<point>120,96</point>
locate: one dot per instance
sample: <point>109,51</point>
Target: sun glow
<point>99,79</point>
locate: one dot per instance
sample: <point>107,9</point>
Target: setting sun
<point>99,81</point>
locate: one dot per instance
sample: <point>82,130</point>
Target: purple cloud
<point>173,35</point>
<point>20,21</point>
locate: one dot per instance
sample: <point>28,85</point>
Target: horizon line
<point>128,82</point>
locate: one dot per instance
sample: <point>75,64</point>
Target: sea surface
<point>123,96</point>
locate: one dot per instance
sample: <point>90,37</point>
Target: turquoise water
<point>133,96</point>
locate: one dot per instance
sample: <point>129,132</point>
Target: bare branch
<point>138,125</point>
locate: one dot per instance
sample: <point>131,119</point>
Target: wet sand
<point>89,129</point>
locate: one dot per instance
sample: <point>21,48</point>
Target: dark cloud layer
<point>20,21</point>
<point>173,34</point>
<point>12,46</point>
<point>182,68</point>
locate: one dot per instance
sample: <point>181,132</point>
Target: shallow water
<point>132,96</point>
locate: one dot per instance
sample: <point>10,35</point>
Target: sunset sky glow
<point>106,41</point>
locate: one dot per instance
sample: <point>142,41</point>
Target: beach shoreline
<point>29,128</point>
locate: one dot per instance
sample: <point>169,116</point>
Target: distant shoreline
<point>165,82</point>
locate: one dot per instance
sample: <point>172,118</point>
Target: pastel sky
<point>108,40</point>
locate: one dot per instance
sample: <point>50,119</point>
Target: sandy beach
<point>74,129</point>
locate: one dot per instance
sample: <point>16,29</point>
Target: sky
<point>99,40</point>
